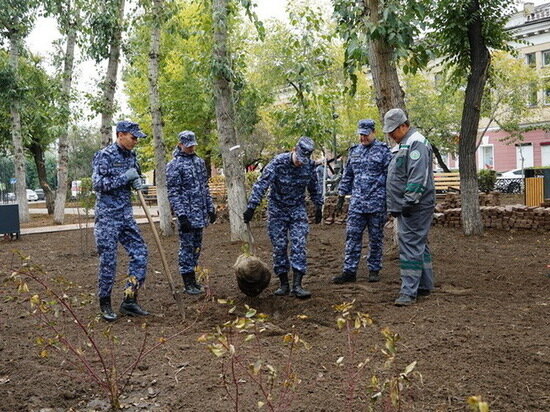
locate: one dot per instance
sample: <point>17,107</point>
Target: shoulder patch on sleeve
<point>414,155</point>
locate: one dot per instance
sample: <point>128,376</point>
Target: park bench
<point>446,182</point>
<point>217,188</point>
<point>150,194</point>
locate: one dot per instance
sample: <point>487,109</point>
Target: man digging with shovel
<point>288,175</point>
<point>115,173</point>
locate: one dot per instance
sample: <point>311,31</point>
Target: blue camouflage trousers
<point>190,249</point>
<point>282,224</point>
<point>108,233</point>
<point>356,224</point>
<point>415,259</point>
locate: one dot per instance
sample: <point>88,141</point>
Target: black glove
<point>318,214</point>
<point>407,210</point>
<point>395,214</point>
<point>185,224</point>
<point>212,216</point>
<point>247,215</point>
<point>339,204</point>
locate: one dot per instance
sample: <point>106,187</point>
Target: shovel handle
<point>167,272</point>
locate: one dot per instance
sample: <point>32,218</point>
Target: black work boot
<point>297,289</point>
<point>106,309</point>
<point>374,276</point>
<point>130,305</point>
<point>344,278</point>
<point>284,289</point>
<point>195,283</point>
<point>190,283</point>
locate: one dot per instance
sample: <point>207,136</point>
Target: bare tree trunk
<point>109,84</point>
<point>389,93</point>
<point>156,115</point>
<point>17,139</point>
<point>63,145</point>
<point>480,61</point>
<point>385,80</point>
<point>38,155</point>
<point>439,158</point>
<point>225,115</point>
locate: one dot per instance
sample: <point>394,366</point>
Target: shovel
<point>175,293</point>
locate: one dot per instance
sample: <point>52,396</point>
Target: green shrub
<point>486,180</point>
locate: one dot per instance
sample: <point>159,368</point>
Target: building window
<point>531,59</point>
<point>487,157</point>
<point>547,95</point>
<point>524,155</point>
<point>545,154</point>
<point>546,58</point>
<point>533,95</point>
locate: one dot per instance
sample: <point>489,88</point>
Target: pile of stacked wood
<point>501,217</point>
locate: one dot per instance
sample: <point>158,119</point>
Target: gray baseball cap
<point>304,148</point>
<point>393,119</point>
<point>187,138</point>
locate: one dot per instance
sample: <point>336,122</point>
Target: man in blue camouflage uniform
<point>288,176</point>
<point>115,172</point>
<point>365,179</point>
<point>189,196</point>
<point>411,199</point>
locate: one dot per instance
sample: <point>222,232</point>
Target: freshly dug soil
<point>484,330</point>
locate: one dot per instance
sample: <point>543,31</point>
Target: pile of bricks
<point>501,217</point>
<point>453,201</point>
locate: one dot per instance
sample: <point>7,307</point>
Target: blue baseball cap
<point>187,138</point>
<point>126,126</point>
<point>304,148</point>
<point>365,126</point>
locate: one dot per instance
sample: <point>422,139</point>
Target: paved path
<point>75,226</point>
<point>137,210</point>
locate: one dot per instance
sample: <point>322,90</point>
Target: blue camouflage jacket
<point>365,177</point>
<point>288,184</point>
<point>410,174</point>
<point>188,192</point>
<point>113,191</point>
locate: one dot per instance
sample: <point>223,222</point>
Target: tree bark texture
<point>479,64</point>
<point>385,80</point>
<point>389,93</point>
<point>63,141</point>
<point>17,138</point>
<point>439,158</point>
<point>37,151</point>
<point>109,84</point>
<point>225,116</point>
<point>166,227</point>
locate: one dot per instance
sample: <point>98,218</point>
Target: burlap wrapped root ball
<point>252,274</point>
